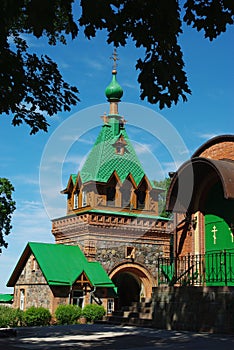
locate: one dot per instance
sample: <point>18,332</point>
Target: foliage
<point>67,314</point>
<point>155,25</point>
<point>10,317</point>
<point>93,312</point>
<point>36,316</point>
<point>7,207</point>
<point>32,86</point>
<point>164,184</point>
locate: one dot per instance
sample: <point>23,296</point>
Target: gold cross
<point>115,58</point>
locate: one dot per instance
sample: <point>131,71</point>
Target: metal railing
<point>213,268</point>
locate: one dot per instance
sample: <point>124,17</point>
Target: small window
<point>33,264</point>
<point>130,253</point>
<point>110,196</point>
<point>78,298</point>
<point>75,200</point>
<point>126,194</point>
<point>84,199</point>
<point>119,149</point>
<point>22,297</point>
<point>110,306</point>
<point>141,199</point>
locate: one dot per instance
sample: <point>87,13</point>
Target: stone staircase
<point>137,314</point>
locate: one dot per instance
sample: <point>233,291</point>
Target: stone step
<point>132,321</point>
<point>138,313</point>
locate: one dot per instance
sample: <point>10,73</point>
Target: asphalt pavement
<point>104,336</point>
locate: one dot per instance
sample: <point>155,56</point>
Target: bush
<point>93,312</point>
<point>67,314</point>
<point>10,317</point>
<point>36,316</point>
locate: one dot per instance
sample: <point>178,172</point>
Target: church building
<point>111,225</point>
<point>202,195</point>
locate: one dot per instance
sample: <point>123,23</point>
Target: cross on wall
<point>232,232</point>
<point>214,230</point>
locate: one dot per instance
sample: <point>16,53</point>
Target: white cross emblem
<point>214,233</point>
<point>231,233</point>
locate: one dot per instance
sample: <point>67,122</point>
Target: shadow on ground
<point>101,337</point>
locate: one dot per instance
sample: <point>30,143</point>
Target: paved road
<point>99,337</point>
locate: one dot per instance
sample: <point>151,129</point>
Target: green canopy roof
<point>62,265</point>
<point>103,160</point>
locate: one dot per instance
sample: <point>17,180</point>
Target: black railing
<point>213,268</point>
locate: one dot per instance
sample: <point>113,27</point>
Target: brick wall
<point>219,151</point>
<point>144,254</point>
<point>32,281</point>
<point>207,309</point>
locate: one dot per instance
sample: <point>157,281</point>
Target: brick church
<point>201,195</point>
<point>107,243</point>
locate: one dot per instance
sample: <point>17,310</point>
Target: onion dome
<point>114,92</point>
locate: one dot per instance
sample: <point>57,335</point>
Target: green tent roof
<point>63,264</point>
<point>103,160</point>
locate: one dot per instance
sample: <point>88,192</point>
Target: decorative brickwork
<point>224,150</point>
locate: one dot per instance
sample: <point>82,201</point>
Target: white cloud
<point>207,136</point>
<point>142,148</point>
<point>64,65</point>
<point>171,166</point>
<point>22,179</point>
<point>95,64</point>
<point>130,86</point>
<point>30,224</point>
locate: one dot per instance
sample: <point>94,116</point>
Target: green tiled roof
<point>120,213</point>
<point>103,160</point>
<point>129,214</point>
<point>73,177</point>
<point>63,264</point>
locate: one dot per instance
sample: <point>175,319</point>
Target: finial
<point>114,92</point>
<point>115,58</point>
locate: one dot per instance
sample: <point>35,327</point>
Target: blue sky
<point>39,165</point>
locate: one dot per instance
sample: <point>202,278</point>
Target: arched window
<point>76,200</point>
<point>84,198</point>
<point>110,196</point>
<point>140,199</point>
<point>126,195</point>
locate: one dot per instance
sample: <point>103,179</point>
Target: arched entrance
<point>129,288</point>
<point>133,282</point>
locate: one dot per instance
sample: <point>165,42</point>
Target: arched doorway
<point>133,282</point>
<point>129,288</point>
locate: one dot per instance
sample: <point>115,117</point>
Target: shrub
<point>93,312</point>
<point>10,317</point>
<point>36,316</point>
<point>67,314</point>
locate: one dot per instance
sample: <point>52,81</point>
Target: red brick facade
<point>191,238</point>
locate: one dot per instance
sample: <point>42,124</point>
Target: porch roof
<point>61,265</point>
<point>195,173</point>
